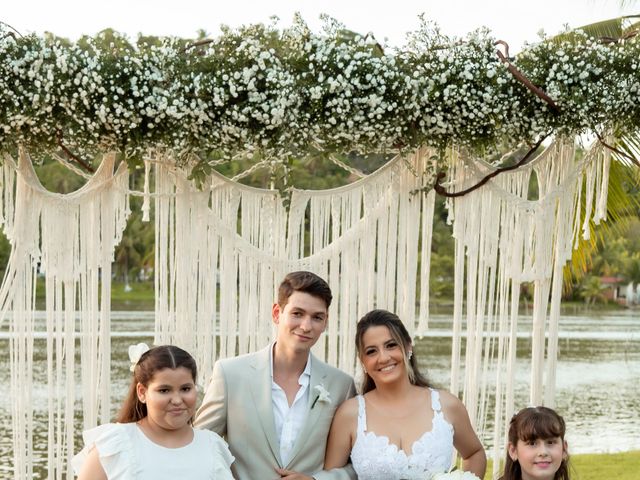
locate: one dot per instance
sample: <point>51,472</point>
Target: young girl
<point>153,438</point>
<point>537,449</point>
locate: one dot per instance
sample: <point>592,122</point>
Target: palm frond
<point>610,30</point>
<point>622,207</point>
<point>614,27</point>
<point>629,144</point>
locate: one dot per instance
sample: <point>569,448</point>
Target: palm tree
<point>592,290</point>
<point>622,205</point>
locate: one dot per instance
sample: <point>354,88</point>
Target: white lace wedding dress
<point>374,458</point>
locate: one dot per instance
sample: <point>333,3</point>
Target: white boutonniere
<point>135,352</point>
<point>322,395</point>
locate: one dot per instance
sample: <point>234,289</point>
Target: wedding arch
<point>442,108</point>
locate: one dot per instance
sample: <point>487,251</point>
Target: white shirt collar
<point>306,373</point>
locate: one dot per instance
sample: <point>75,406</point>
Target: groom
<point>275,406</point>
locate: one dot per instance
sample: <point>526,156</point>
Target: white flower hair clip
<point>323,395</point>
<point>135,352</point>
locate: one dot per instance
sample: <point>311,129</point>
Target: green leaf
<point>612,29</point>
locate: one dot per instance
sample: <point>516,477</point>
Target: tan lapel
<point>261,390</point>
<point>318,377</point>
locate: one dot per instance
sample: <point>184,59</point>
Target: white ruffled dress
<point>126,453</point>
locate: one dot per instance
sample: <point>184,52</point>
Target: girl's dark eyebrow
<point>170,386</point>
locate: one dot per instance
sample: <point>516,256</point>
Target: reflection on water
<point>598,391</point>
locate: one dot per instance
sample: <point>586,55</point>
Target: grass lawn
<point>614,466</point>
<point>601,466</point>
<point>140,297</point>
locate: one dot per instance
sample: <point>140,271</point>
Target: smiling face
<point>300,322</point>
<point>170,397</point>
<point>539,458</point>
<point>382,356</point>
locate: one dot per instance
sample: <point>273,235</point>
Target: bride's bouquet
<point>455,475</point>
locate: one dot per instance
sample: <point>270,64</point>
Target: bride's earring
<point>410,354</point>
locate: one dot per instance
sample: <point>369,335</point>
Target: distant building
<point>631,294</point>
<point>613,289</point>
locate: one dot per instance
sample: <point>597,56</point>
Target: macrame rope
<point>352,170</point>
<point>503,239</point>
<point>239,241</point>
<point>221,251</point>
<point>69,239</point>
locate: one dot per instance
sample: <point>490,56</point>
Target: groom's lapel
<point>318,377</point>
<point>261,391</point>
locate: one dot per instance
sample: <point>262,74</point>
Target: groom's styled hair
<point>306,282</point>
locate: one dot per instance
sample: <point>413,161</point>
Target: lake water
<point>598,377</point>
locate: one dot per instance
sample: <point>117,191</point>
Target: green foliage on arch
<point>261,93</point>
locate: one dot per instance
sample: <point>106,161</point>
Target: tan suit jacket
<point>238,406</point>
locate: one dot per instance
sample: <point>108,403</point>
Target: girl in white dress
<point>400,427</point>
<point>153,438</point>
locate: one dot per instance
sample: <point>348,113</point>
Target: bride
<point>400,427</point>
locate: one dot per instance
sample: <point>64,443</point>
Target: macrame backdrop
<point>504,240</point>
<point>222,250</point>
<point>70,240</point>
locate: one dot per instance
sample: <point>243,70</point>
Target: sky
<point>514,21</point>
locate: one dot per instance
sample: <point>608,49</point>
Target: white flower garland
<point>259,92</point>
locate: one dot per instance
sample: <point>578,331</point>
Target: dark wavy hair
<point>384,318</point>
<point>531,424</point>
<point>153,360</point>
<point>306,282</point>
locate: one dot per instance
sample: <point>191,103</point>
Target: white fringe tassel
<point>235,243</point>
<point>506,241</point>
<point>69,239</point>
<point>221,252</point>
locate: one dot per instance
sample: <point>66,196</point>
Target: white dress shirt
<point>289,420</point>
